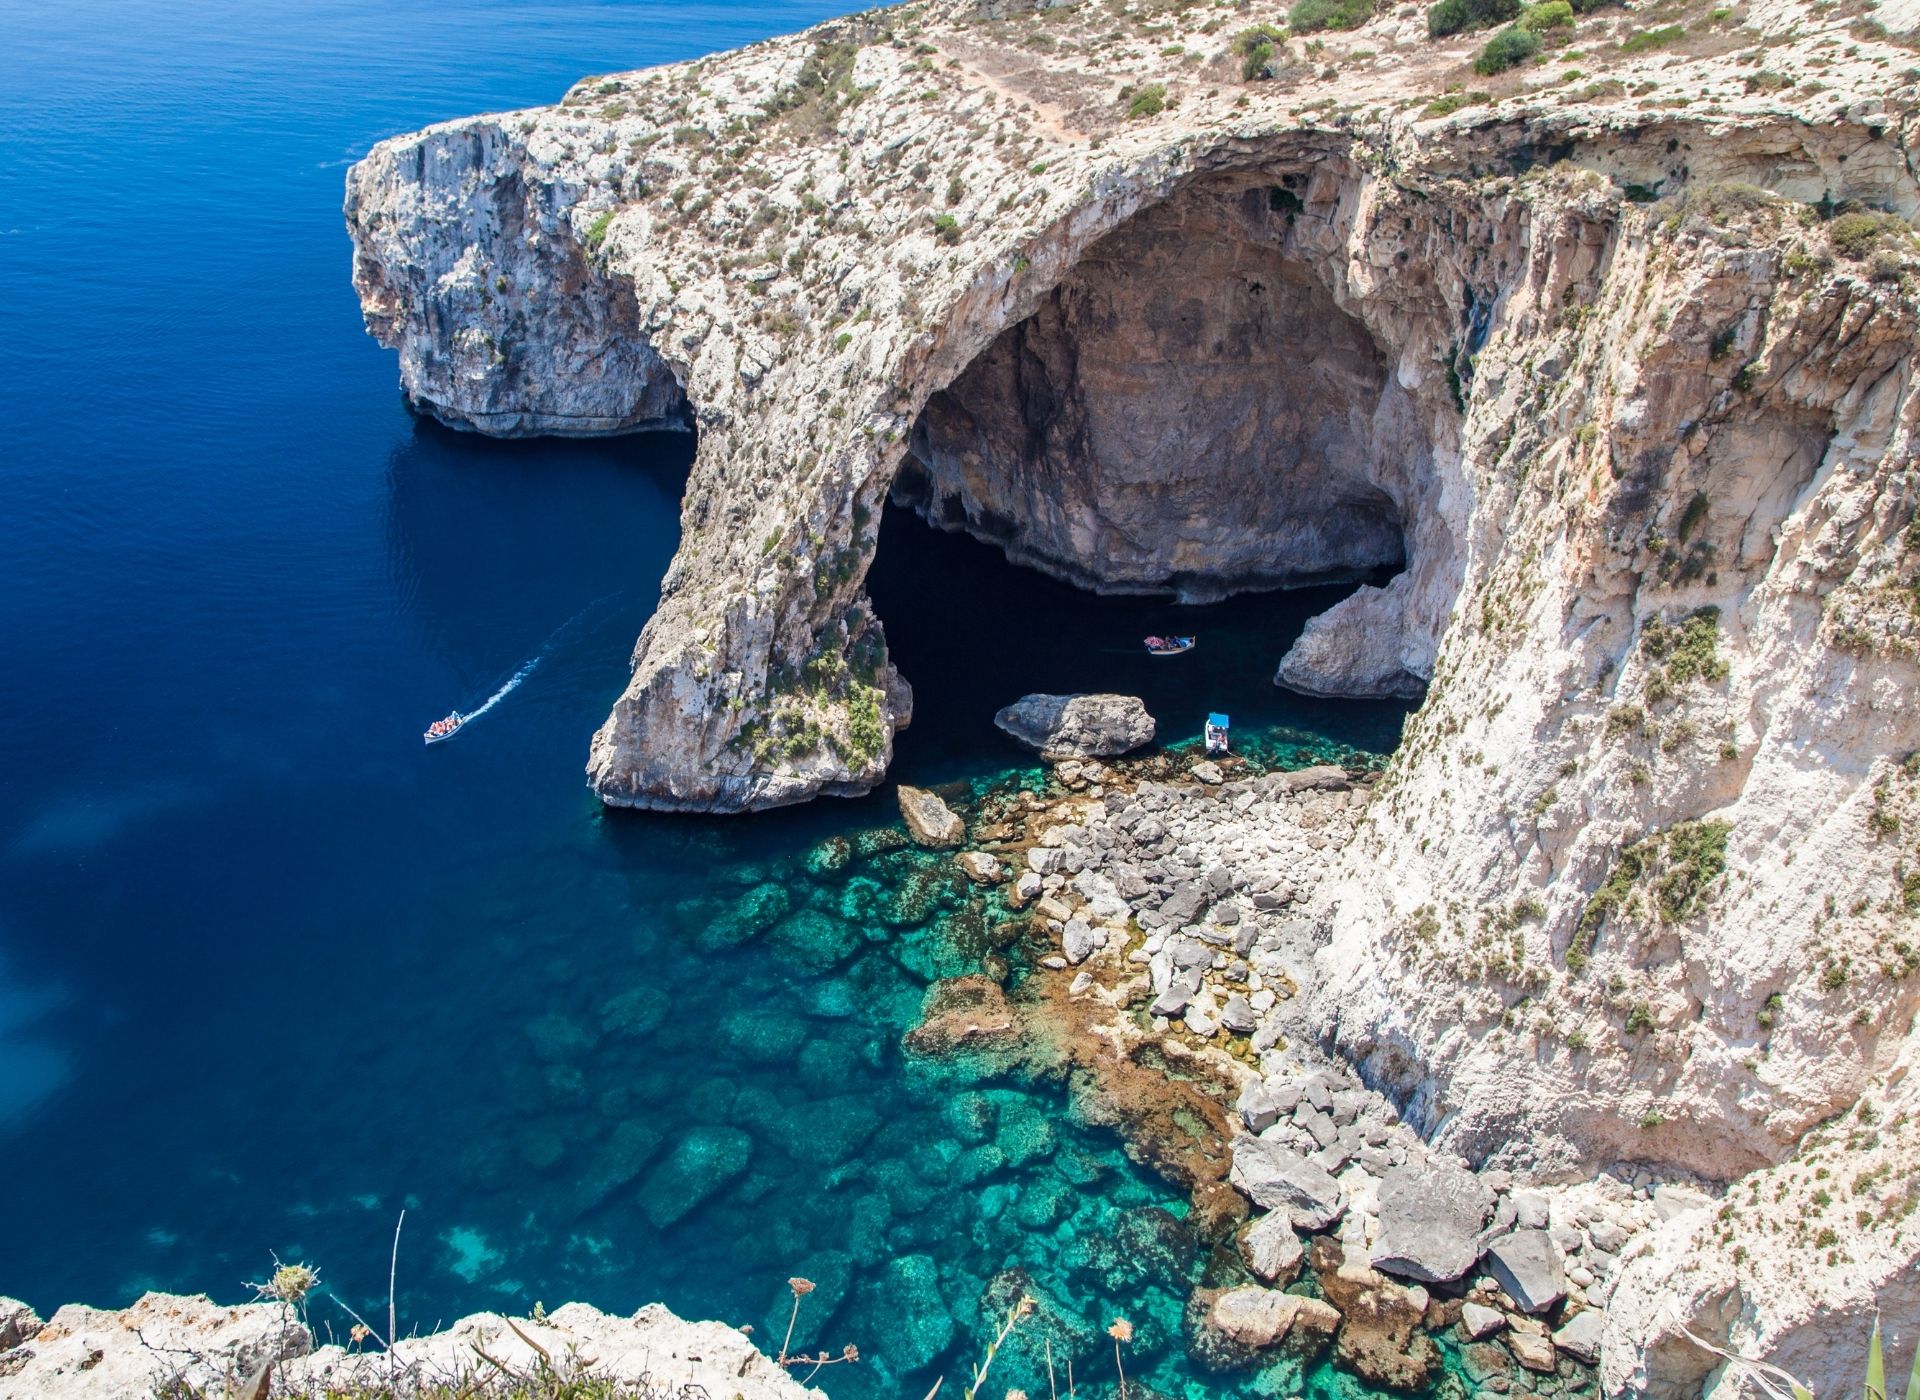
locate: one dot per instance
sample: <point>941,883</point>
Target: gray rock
<point>1079,941</point>
<point>1189,953</point>
<point>1272,1249</point>
<point>1078,726</point>
<point>1182,906</point>
<point>1256,1107</point>
<point>1478,1323</point>
<point>1526,1263</point>
<point>1317,1124</point>
<point>1237,1015</point>
<point>1530,1210</point>
<point>1669,1201</point>
<point>929,820</point>
<point>1025,890</point>
<point>1278,1178</point>
<point>1607,1235</point>
<point>1431,1216</point>
<point>1208,772</point>
<point>1181,989</point>
<point>1580,1338</point>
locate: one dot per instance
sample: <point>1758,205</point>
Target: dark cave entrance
<point>1189,412</point>
<point>1187,435</point>
<point>972,632</point>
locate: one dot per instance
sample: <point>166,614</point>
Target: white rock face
<point>1637,887</point>
<point>86,1353</point>
<point>1078,726</point>
<point>1360,647</point>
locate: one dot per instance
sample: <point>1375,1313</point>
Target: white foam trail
<point>527,668</point>
<point>501,693</point>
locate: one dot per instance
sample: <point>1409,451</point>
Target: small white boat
<point>1168,646</point>
<point>1217,728</point>
<point>444,728</point>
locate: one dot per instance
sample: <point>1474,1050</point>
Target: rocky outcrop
<point>1360,647</point>
<point>1431,1215</point>
<point>1625,387</point>
<point>169,1344</point>
<point>1092,352</point>
<point>1078,726</point>
<point>930,821</point>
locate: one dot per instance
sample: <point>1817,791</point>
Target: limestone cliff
<point>1613,361</point>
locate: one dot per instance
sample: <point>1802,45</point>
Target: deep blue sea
<point>270,971</point>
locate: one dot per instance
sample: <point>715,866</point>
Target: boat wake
<point>532,663</point>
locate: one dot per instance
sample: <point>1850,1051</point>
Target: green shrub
<point>1148,101</point>
<point>1451,102</point>
<point>1504,50</point>
<point>1649,39</point>
<point>946,228</point>
<point>1310,16</point>
<point>1855,235</point>
<point>597,231</point>
<point>1459,16</point>
<point>1256,49</point>
<point>1547,17</point>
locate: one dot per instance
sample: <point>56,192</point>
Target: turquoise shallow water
<point>269,972</point>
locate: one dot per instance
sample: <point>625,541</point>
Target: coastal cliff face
<point>1616,365</point>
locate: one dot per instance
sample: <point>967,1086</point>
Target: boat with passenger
<point>1168,646</point>
<point>1217,726</point>
<point>444,728</point>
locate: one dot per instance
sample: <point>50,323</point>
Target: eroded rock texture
<point>1649,466</point>
<point>1190,409</point>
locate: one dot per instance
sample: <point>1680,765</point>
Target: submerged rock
<point>705,1160</point>
<point>964,1013</point>
<point>930,821</point>
<point>1078,726</point>
<point>915,1327</point>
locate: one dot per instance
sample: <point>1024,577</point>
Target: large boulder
<point>1280,1179</point>
<point>930,821</point>
<point>1431,1215</point>
<point>1526,1263</point>
<point>1357,649</point>
<point>1580,1337</point>
<point>1078,726</point>
<point>1230,1328</point>
<point>1272,1250</point>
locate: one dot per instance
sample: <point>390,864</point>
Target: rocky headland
<point>170,1345</point>
<point>1610,355</point>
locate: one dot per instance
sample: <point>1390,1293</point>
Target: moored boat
<point>1217,726</point>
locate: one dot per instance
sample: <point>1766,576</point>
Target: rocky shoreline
<point>1169,901</point>
<point>171,1345</point>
